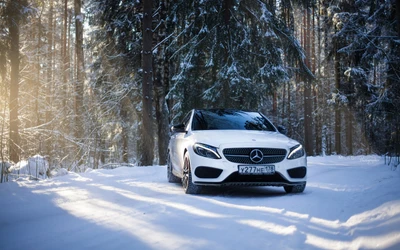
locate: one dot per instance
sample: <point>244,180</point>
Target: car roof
<point>216,110</point>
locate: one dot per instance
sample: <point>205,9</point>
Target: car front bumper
<point>221,172</point>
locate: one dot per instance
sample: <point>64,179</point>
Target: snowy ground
<point>349,203</point>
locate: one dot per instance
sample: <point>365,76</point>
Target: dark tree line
<point>102,82</point>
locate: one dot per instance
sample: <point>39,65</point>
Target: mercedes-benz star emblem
<point>256,156</point>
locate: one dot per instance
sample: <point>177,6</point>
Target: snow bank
<point>58,172</point>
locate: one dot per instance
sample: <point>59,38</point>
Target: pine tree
<point>369,44</point>
<point>228,53</point>
<point>116,75</point>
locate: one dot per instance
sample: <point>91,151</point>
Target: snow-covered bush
<point>35,167</point>
<point>58,172</point>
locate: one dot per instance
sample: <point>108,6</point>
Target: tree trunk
<point>398,17</point>
<point>38,69</point>
<point>349,132</point>
<point>315,54</point>
<point>226,82</point>
<point>69,52</point>
<point>283,113</point>
<point>126,115</point>
<point>147,140</point>
<point>49,70</point>
<point>319,104</point>
<point>13,26</point>
<point>80,74</point>
<point>317,123</point>
<point>308,121</point>
<point>275,107</point>
<point>3,89</point>
<point>162,126</point>
<point>125,138</point>
<point>65,55</point>
<point>161,86</point>
<point>338,145</point>
<point>64,91</point>
<point>289,111</point>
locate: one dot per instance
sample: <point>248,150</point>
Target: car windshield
<point>230,120</point>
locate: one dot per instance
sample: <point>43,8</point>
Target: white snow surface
<point>349,203</point>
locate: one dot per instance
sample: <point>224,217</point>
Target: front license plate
<point>257,170</point>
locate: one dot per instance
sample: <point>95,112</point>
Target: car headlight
<point>206,151</point>
<point>296,152</point>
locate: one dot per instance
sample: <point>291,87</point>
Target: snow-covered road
<point>349,203</point>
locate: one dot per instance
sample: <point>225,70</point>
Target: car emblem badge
<point>256,156</point>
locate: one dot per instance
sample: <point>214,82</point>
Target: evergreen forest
<point>96,82</point>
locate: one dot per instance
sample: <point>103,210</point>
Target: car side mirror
<point>180,128</point>
<point>282,129</point>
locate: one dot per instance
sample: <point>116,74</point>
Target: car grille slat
<point>242,155</point>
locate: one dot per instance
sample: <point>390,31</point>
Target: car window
<point>230,119</point>
<point>185,121</point>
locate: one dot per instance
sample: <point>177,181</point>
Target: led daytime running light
<point>208,148</point>
<point>295,150</point>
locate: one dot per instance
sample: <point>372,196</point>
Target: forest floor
<point>349,203</point>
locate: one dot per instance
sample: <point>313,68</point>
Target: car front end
<point>262,159</point>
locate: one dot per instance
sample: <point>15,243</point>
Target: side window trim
<point>186,121</point>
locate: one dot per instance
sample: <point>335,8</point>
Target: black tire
<point>187,182</point>
<point>171,177</point>
<point>295,189</point>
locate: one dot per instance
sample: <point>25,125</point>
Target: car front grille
<point>259,179</point>
<point>242,155</point>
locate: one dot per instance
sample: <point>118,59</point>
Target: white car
<point>222,147</point>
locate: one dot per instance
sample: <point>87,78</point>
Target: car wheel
<point>187,182</point>
<point>171,177</point>
<point>295,189</point>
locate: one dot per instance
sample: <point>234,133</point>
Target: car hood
<point>243,138</point>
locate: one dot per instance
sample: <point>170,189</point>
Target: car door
<point>178,144</point>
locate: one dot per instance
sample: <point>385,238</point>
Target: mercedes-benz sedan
<point>221,147</point>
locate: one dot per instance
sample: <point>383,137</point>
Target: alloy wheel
<point>185,177</point>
